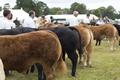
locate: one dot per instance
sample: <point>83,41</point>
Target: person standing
<point>94,20</point>
<point>87,20</point>
<point>106,20</point>
<point>5,23</point>
<point>11,23</point>
<point>17,23</point>
<point>29,22</point>
<point>74,20</point>
<point>100,22</point>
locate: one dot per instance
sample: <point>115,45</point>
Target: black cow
<point>118,28</point>
<point>97,39</point>
<point>68,37</point>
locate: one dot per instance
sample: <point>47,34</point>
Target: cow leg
<point>111,45</point>
<point>80,61</point>
<point>7,73</point>
<point>85,60</point>
<point>32,69</point>
<point>89,60</point>
<point>89,53</point>
<point>63,55</point>
<point>40,70</point>
<point>111,42</point>
<point>114,44</point>
<point>119,43</point>
<point>96,42</point>
<point>99,42</point>
<point>44,76</point>
<point>73,57</point>
<point>27,71</point>
<point>80,56</point>
<point>84,57</point>
<point>49,72</point>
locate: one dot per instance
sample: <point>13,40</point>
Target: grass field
<point>106,66</point>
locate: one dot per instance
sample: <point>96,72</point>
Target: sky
<point>91,4</point>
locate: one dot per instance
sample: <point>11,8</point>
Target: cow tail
<point>80,42</point>
<point>61,67</point>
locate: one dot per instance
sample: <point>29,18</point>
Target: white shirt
<point>29,23</point>
<point>12,24</point>
<point>5,23</point>
<point>100,23</point>
<point>74,21</point>
<point>86,20</point>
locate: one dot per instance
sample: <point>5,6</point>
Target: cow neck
<point>47,25</point>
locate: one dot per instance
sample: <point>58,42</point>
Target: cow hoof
<point>80,62</point>
<point>84,67</point>
<point>111,49</point>
<point>90,66</point>
<point>73,74</point>
<point>76,77</point>
<point>114,49</point>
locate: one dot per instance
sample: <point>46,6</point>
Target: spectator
<point>94,20</point>
<point>11,23</point>
<point>74,20</point>
<point>92,23</point>
<point>87,20</point>
<point>29,22</point>
<point>51,18</point>
<point>6,23</point>
<point>100,22</point>
<point>106,20</point>
<point>17,23</point>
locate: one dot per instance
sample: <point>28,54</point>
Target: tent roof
<point>20,13</point>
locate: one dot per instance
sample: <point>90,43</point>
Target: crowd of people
<point>7,23</point>
<point>74,21</point>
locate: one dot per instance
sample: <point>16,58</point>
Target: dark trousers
<point>7,73</point>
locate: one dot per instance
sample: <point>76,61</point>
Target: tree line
<point>41,8</point>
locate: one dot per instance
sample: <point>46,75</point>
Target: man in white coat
<point>4,21</point>
<point>11,22</point>
<point>87,20</point>
<point>29,22</point>
<point>74,20</point>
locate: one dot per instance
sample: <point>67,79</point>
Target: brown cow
<point>47,25</point>
<point>87,41</point>
<point>44,24</point>
<point>107,30</point>
<point>19,52</point>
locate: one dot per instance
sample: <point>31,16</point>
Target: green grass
<point>106,66</point>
